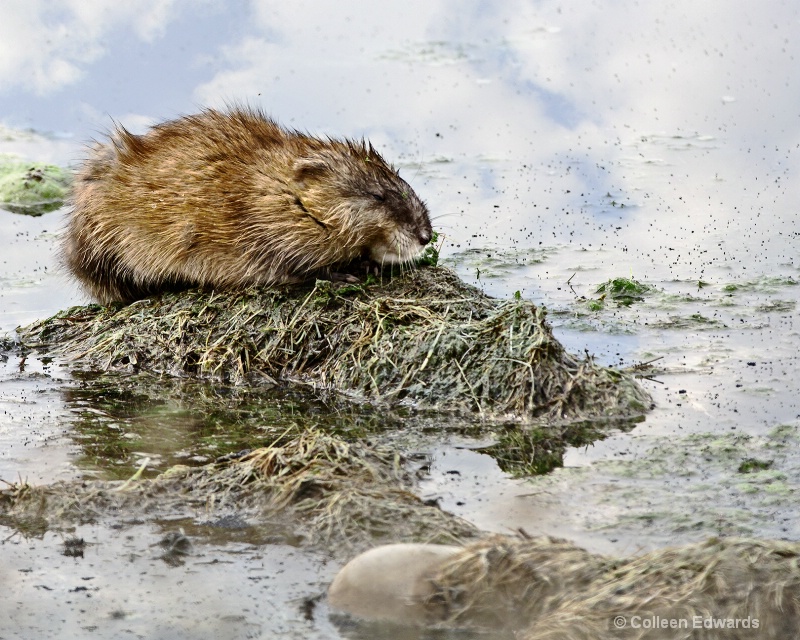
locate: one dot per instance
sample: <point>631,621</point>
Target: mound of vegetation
<point>423,338</point>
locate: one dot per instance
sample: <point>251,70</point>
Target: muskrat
<point>227,199</point>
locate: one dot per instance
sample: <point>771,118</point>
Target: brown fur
<point>223,200</point>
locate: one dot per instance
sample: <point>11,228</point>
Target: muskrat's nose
<point>424,236</point>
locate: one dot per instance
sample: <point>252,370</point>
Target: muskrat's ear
<point>310,167</point>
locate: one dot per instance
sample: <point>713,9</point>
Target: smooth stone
<point>389,582</point>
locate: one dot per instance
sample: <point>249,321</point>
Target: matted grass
<point>722,589</point>
<point>423,338</point>
<point>340,496</point>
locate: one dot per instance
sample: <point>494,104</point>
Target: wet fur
<point>224,200</point>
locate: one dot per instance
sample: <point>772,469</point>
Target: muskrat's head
<point>350,190</point>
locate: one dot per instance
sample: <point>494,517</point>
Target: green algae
<point>762,284</point>
<point>623,291</point>
<point>699,484</point>
<point>32,188</point>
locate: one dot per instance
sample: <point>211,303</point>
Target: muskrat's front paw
<point>348,278</point>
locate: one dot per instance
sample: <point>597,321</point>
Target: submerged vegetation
<point>326,493</point>
<point>337,495</point>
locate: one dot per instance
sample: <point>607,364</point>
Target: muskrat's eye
<point>378,197</point>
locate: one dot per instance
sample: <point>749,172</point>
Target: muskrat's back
<point>228,199</point>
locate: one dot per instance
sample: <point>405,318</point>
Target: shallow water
<point>558,146</point>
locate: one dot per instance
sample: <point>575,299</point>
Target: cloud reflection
<point>546,111</point>
<point>47,44</point>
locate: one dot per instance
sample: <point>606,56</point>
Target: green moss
<point>430,256</point>
<point>32,188</point>
<point>693,321</point>
<point>596,305</point>
<point>747,488</point>
<point>784,432</point>
<point>624,291</point>
<point>750,465</point>
<point>777,306</point>
<point>762,284</point>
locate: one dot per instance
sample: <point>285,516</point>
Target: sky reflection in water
<point>546,113</point>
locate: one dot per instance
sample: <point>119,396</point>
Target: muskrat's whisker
<point>447,214</point>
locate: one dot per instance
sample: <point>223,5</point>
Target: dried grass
<point>340,496</point>
<point>557,591</point>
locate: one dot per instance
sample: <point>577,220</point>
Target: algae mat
<point>423,338</point>
<point>32,188</point>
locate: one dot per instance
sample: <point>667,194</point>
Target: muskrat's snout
<point>405,238</point>
<point>424,235</point>
<point>421,227</point>
<point>423,231</point>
